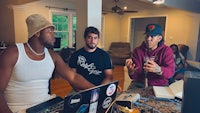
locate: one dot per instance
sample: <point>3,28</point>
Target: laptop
<point>94,100</point>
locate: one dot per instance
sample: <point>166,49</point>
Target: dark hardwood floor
<point>61,87</point>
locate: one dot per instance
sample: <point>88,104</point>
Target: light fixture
<point>158,1</point>
<point>125,8</point>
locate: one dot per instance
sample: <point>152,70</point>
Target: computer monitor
<point>191,93</point>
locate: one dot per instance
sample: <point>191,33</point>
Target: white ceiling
<point>142,5</point>
<point>133,5</point>
<point>136,5</point>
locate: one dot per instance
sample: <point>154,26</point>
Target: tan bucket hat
<point>36,23</point>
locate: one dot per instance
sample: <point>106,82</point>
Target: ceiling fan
<point>117,9</point>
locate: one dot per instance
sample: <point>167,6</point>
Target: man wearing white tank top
<point>25,68</point>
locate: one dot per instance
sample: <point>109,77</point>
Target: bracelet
<point>160,73</point>
<point>158,70</point>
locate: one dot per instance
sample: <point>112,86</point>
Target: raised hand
<point>130,66</point>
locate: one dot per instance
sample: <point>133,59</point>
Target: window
<point>65,28</point>
<point>74,30</point>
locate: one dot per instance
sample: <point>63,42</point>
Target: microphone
<point>146,59</point>
<point>145,81</point>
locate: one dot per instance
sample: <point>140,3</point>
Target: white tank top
<point>29,81</point>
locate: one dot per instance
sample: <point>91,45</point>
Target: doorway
<point>138,28</point>
<point>198,48</point>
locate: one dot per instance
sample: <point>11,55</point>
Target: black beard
<point>49,46</point>
<point>90,46</point>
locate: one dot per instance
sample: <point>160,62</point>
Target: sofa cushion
<point>119,52</point>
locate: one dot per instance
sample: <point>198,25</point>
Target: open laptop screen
<point>94,100</point>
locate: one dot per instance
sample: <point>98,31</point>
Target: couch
<point>119,52</point>
<point>184,49</point>
<point>66,53</point>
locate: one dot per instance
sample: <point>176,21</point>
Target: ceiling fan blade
<point>131,11</point>
<point>108,11</point>
<point>120,13</point>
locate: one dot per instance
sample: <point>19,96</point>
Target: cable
<point>110,106</point>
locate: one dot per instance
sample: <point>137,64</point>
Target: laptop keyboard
<point>51,106</point>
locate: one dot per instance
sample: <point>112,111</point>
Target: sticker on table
<point>106,103</point>
<point>94,95</point>
<point>111,90</point>
<point>93,107</point>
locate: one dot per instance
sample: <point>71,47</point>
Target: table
<point>150,104</point>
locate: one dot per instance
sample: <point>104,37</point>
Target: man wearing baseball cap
<point>26,68</point>
<point>152,59</point>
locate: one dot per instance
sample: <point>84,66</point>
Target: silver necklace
<point>38,54</point>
